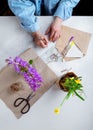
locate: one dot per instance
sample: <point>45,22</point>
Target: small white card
<point>51,55</point>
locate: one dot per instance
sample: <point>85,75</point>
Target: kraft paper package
<point>8,77</point>
<point>80,38</point>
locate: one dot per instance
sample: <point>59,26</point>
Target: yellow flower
<point>78,81</point>
<point>57,110</point>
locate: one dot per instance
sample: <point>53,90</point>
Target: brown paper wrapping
<point>8,76</point>
<point>80,38</point>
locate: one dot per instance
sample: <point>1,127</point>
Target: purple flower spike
<point>30,74</point>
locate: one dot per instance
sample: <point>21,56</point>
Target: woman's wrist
<point>35,34</point>
<point>58,20</point>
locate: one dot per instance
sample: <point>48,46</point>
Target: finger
<point>47,31</point>
<point>42,41</point>
<point>45,40</point>
<point>51,35</point>
<point>55,37</point>
<point>42,44</point>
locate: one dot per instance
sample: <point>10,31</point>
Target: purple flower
<point>10,60</point>
<point>30,74</point>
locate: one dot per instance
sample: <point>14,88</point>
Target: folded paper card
<point>9,79</point>
<point>77,41</point>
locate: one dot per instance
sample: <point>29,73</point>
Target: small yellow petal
<point>57,111</point>
<point>78,81</point>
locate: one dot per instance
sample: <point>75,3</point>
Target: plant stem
<point>66,97</point>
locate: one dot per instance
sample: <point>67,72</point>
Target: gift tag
<point>51,55</point>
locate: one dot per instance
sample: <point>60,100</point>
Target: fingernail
<point>51,39</point>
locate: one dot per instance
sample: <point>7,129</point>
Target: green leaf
<point>65,98</point>
<point>30,62</point>
<point>79,96</point>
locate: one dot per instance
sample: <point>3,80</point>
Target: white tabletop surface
<point>75,114</point>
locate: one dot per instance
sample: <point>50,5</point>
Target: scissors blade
<point>30,96</point>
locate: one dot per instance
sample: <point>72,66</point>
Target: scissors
<point>19,101</point>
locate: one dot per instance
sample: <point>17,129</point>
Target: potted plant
<point>71,84</point>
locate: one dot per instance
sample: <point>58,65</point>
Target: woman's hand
<point>40,39</point>
<point>54,29</point>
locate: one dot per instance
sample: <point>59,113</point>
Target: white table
<point>75,114</point>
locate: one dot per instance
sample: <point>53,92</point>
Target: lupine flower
<point>30,74</point>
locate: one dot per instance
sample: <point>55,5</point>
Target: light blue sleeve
<point>24,10</point>
<point>65,8</point>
